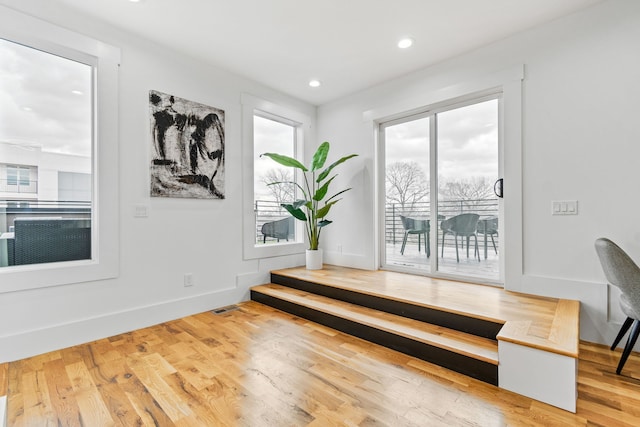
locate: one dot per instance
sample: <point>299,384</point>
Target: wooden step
<point>360,292</point>
<point>471,355</point>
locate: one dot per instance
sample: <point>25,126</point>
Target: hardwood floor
<point>257,366</point>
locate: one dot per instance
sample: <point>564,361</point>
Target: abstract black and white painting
<point>187,148</point>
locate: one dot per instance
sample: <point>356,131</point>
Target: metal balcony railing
<point>270,210</point>
<point>19,186</point>
<point>394,232</point>
<point>12,209</point>
<point>266,211</point>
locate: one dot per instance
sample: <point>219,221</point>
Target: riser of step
<point>434,344</point>
<point>470,325</point>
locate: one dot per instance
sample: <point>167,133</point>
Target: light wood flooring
<point>257,366</point>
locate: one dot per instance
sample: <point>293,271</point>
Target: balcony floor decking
<point>484,269</point>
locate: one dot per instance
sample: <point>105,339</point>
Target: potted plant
<point>316,203</point>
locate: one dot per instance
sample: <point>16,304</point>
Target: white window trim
<point>24,29</point>
<point>251,105</point>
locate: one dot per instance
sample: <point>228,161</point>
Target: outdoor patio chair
<point>419,227</point>
<point>622,272</point>
<point>489,227</point>
<point>280,229</point>
<point>463,225</point>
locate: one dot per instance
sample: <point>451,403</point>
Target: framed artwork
<point>187,152</point>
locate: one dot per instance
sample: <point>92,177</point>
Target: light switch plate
<point>564,207</point>
<point>141,211</point>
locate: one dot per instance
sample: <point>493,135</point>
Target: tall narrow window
<point>273,184</point>
<point>53,122</point>
<point>46,122</point>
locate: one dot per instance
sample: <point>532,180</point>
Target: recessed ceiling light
<point>314,83</point>
<point>27,109</point>
<point>77,92</point>
<point>405,43</point>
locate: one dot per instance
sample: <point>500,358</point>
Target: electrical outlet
<point>188,279</point>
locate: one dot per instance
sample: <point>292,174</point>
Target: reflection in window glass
<point>273,222</point>
<point>46,134</point>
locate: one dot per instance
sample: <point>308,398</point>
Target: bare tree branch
<point>283,191</point>
<point>407,185</point>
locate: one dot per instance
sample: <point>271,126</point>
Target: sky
<point>467,142</point>
<point>269,136</point>
<point>46,100</point>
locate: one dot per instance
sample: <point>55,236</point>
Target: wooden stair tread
<point>544,323</point>
<point>458,342</point>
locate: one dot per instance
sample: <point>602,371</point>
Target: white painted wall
<point>581,140</point>
<point>202,237</point>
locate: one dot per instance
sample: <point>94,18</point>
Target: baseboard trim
<point>55,337</point>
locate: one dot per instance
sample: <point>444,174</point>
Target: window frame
<point>20,172</point>
<point>105,60</point>
<point>252,106</point>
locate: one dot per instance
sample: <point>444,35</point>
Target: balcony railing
<point>270,210</point>
<point>19,186</point>
<point>266,211</point>
<point>394,231</point>
<point>12,209</point>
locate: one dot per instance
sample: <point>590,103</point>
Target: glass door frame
<point>431,112</point>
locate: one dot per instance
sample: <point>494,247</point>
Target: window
<point>269,230</point>
<point>273,184</point>
<point>18,181</point>
<point>17,175</point>
<point>74,186</point>
<point>55,134</point>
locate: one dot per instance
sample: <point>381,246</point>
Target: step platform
<point>524,343</point>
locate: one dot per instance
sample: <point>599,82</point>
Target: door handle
<point>498,188</point>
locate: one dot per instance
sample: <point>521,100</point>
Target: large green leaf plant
<point>315,205</point>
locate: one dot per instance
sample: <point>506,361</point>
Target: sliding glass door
<point>441,214</point>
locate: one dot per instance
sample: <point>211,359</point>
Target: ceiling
<point>348,45</point>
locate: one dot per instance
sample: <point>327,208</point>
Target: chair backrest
<point>620,270</point>
<point>464,224</point>
<point>415,225</point>
<point>279,229</point>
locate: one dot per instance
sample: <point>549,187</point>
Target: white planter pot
<point>314,259</point>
